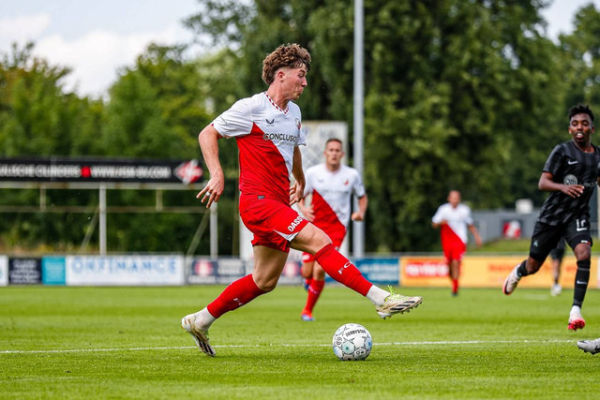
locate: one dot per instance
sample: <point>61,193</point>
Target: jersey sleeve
<point>553,162</point>
<point>468,216</point>
<point>358,187</point>
<point>438,216</point>
<point>237,121</point>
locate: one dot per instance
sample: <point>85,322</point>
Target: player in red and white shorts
<point>331,185</point>
<point>454,218</point>
<point>267,129</point>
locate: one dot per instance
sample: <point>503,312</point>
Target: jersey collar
<point>275,105</point>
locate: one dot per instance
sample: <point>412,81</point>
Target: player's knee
<point>583,253</point>
<point>317,239</point>
<point>267,285</point>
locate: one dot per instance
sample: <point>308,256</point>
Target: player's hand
<point>478,241</point>
<point>296,192</point>
<point>357,216</point>
<point>573,191</point>
<point>308,212</point>
<point>212,191</point>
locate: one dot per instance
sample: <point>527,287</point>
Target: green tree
<point>458,95</point>
<point>39,117</point>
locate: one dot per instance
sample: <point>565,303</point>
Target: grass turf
<point>69,342</point>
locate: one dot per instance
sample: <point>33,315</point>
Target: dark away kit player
<point>571,173</point>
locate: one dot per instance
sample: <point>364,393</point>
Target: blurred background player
<point>571,173</point>
<point>454,218</point>
<point>556,256</point>
<point>331,186</point>
<point>268,130</point>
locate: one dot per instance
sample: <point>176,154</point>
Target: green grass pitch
<point>83,343</point>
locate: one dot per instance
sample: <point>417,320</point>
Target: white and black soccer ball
<point>352,342</point>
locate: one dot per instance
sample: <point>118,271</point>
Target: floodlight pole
<point>214,232</point>
<point>102,220</point>
<point>358,228</point>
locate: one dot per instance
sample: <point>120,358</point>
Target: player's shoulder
<point>250,104</point>
<point>294,109</point>
<point>464,208</point>
<point>445,207</point>
<point>315,169</point>
<point>349,171</point>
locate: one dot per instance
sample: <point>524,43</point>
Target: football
<point>352,342</point>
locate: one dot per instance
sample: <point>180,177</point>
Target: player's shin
<point>235,295</point>
<point>342,270</point>
<point>582,277</point>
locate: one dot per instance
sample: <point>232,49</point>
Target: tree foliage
<point>467,95</point>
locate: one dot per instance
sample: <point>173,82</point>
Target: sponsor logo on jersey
<point>270,122</point>
<point>295,223</point>
<point>570,180</point>
<point>282,137</point>
<point>572,162</point>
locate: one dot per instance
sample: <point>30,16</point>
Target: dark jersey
<point>570,166</point>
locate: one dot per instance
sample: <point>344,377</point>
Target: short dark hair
<point>333,139</point>
<point>287,55</point>
<point>580,109</point>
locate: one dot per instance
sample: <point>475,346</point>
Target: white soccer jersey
<point>457,218</point>
<point>266,136</point>
<point>332,192</point>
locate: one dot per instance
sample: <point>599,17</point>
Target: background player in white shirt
<point>453,219</point>
<point>331,185</point>
<point>267,129</point>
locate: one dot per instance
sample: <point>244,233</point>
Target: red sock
<point>342,270</point>
<point>454,285</point>
<point>314,291</point>
<point>235,295</point>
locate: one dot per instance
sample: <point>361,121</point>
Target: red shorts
<point>336,235</point>
<point>454,251</point>
<point>273,223</point>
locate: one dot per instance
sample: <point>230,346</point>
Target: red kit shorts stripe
<point>273,222</point>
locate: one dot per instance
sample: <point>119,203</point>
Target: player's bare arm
<point>362,209</point>
<point>548,185</point>
<point>475,234</point>
<point>297,189</point>
<point>209,145</point>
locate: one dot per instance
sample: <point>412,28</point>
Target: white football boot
<point>556,289</point>
<point>200,334</point>
<point>396,303</point>
<point>511,282</point>
<point>576,321</point>
<point>589,346</point>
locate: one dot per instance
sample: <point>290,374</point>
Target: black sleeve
<point>553,163</point>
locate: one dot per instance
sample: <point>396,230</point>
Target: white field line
<point>421,343</point>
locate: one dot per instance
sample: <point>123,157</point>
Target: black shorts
<point>558,252</point>
<point>546,237</point>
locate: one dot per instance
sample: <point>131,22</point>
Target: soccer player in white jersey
<point>454,218</point>
<point>267,129</point>
<point>331,185</point>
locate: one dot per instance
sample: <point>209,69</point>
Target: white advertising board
<point>3,270</point>
<point>125,270</point>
